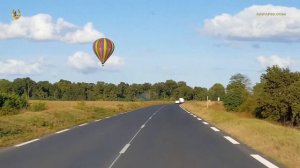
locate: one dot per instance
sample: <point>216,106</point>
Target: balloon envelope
<point>103,49</point>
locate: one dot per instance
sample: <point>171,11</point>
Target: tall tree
<point>200,93</point>
<point>24,86</point>
<point>5,86</point>
<point>279,101</point>
<point>237,92</point>
<point>217,90</point>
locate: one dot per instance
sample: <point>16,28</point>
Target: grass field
<point>59,115</point>
<point>276,141</point>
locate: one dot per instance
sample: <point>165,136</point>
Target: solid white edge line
<point>263,161</point>
<point>231,140</point>
<point>215,129</point>
<point>58,132</point>
<point>124,148</point>
<point>25,143</point>
<point>82,124</point>
<point>205,123</point>
<point>199,119</point>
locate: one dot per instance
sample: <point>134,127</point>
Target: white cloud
<point>247,25</point>
<point>82,62</point>
<point>42,27</point>
<point>114,63</point>
<point>85,63</point>
<point>20,67</point>
<point>274,60</point>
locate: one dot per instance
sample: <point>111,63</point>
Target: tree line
<point>276,97</point>
<point>67,90</point>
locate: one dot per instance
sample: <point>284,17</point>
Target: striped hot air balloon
<point>103,49</point>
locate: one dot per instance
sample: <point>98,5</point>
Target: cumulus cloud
<point>248,25</point>
<point>20,67</point>
<point>274,60</point>
<point>114,63</point>
<point>82,62</point>
<point>42,27</point>
<point>85,63</point>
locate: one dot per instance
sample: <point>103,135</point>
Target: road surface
<point>162,136</point>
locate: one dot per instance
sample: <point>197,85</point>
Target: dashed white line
<point>205,123</point>
<point>264,161</point>
<point>124,148</point>
<point>194,116</point>
<point>82,124</point>
<point>231,140</point>
<point>106,117</point>
<point>215,129</point>
<point>199,119</point>
<point>128,144</point>
<point>58,132</point>
<point>25,143</point>
<point>97,120</point>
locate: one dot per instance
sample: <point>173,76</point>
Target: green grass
<point>278,142</point>
<point>38,106</point>
<point>58,115</point>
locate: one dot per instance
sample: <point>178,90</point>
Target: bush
<point>40,106</point>
<point>11,103</point>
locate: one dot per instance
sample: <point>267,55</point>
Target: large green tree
<point>280,99</point>
<point>216,91</point>
<point>237,92</point>
<point>200,93</point>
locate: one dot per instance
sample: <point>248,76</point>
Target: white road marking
<point>25,143</point>
<point>199,119</point>
<point>128,144</point>
<point>106,117</point>
<point>215,129</point>
<point>231,140</point>
<point>205,123</point>
<point>58,132</point>
<point>264,161</point>
<point>124,148</point>
<point>194,116</point>
<point>82,124</point>
<point>191,114</point>
<point>98,120</point>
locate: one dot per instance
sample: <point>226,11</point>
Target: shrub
<point>11,103</point>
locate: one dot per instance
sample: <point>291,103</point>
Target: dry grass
<point>278,142</point>
<point>59,115</point>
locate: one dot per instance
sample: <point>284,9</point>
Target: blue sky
<point>200,42</point>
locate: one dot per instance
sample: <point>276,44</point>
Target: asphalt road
<point>163,136</point>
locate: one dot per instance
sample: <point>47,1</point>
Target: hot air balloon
<point>103,49</point>
<point>15,15</point>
